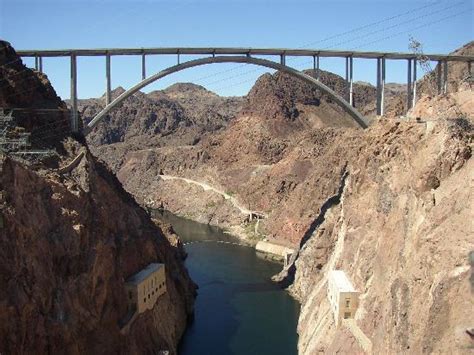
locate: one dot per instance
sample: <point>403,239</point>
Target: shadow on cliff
<point>287,276</point>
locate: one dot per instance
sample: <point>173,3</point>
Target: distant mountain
<point>180,114</point>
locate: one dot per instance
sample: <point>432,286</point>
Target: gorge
<point>390,205</point>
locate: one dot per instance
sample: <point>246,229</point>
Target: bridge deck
<point>237,51</point>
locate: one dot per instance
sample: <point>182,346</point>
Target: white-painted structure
<point>342,296</point>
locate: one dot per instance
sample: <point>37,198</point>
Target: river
<point>238,309</point>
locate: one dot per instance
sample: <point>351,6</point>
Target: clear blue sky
<point>441,26</point>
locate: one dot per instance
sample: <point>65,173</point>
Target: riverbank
<point>268,250</point>
<point>238,309</point>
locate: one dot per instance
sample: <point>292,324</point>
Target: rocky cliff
<point>399,226</point>
<point>182,114</point>
<point>391,206</point>
<point>267,157</point>
<point>69,238</point>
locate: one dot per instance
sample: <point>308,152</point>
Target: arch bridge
<point>248,55</point>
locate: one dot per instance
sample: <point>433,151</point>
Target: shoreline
<point>236,232</point>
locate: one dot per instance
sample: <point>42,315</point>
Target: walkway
<point>226,196</point>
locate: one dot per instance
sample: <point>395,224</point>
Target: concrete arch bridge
<point>247,55</point>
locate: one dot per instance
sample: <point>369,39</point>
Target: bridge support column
<point>143,67</point>
<point>380,86</point>
<point>445,77</point>
<point>346,94</point>
<point>282,59</point>
<point>74,115</point>
<point>351,81</point>
<point>382,89</point>
<point>409,85</point>
<point>316,66</point>
<point>108,91</point>
<point>414,82</point>
<point>40,64</point>
<point>36,63</point>
<point>178,57</point>
<point>438,79</point>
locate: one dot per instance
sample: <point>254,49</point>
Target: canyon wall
<point>401,230</point>
<point>70,238</point>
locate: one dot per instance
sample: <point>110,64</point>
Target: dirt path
<point>208,187</point>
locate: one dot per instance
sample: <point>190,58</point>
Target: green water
<point>238,309</point>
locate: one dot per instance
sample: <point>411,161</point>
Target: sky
<point>368,25</point>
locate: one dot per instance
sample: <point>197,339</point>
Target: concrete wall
<point>143,296</point>
<point>274,249</point>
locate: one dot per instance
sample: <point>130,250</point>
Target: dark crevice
<point>287,276</point>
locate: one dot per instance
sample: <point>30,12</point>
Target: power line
<point>413,29</point>
<point>372,24</point>
<point>363,45</point>
<point>370,34</point>
<point>337,36</point>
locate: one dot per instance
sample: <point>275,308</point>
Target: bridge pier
<point>380,86</point>
<point>108,89</point>
<point>143,67</point>
<point>346,94</point>
<point>438,79</point>
<point>414,82</point>
<point>442,76</point>
<point>282,59</point>
<point>316,66</point>
<point>445,77</point>
<point>409,85</point>
<point>351,81</point>
<point>74,115</point>
<point>39,63</point>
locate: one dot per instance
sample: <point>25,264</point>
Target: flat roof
<point>341,281</point>
<point>144,274</point>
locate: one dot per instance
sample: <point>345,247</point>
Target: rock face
<point>180,115</point>
<point>390,205</point>
<point>272,125</point>
<point>36,106</point>
<point>68,242</point>
<point>459,78</point>
<point>401,231</point>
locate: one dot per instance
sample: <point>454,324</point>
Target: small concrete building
<point>342,296</point>
<point>144,288</point>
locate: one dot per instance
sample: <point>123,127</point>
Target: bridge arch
<point>356,116</point>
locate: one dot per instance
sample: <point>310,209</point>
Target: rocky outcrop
<point>401,233</point>
<point>282,96</point>
<point>459,78</point>
<point>68,241</point>
<point>457,102</point>
<point>180,115</point>
<point>34,102</point>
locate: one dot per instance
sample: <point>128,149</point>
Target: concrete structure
<point>239,54</point>
<point>279,251</point>
<point>144,288</point>
<point>361,121</point>
<point>342,296</point>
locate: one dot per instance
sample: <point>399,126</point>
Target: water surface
<point>238,309</point>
